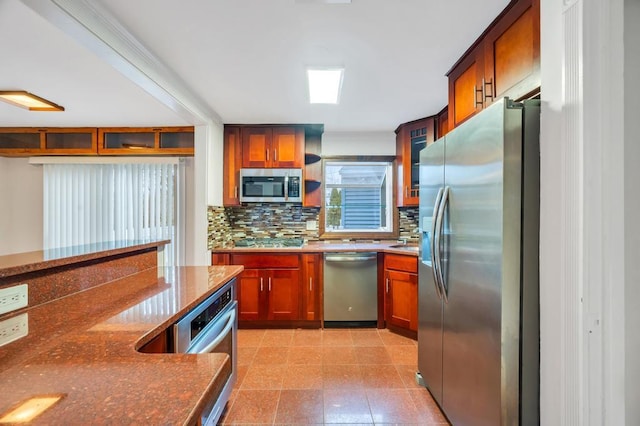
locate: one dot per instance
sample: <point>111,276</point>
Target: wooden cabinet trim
<point>232,155</point>
<point>401,262</point>
<point>273,261</point>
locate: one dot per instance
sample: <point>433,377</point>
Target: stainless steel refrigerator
<point>478,315</point>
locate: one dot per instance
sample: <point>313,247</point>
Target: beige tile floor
<point>333,376</point>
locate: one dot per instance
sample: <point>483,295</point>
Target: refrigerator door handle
<point>434,218</point>
<point>438,255</point>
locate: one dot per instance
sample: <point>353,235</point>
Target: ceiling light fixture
<point>325,85</point>
<point>28,101</point>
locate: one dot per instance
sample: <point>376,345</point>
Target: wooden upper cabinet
<point>288,147</point>
<point>273,147</point>
<point>26,141</point>
<point>256,144</point>
<point>504,61</point>
<point>512,52</point>
<point>232,155</point>
<point>146,140</point>
<point>442,125</point>
<point>411,139</point>
<point>465,87</point>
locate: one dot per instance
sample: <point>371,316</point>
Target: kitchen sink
<point>408,247</point>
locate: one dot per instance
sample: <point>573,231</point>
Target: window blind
<point>94,203</point>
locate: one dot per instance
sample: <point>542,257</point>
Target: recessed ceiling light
<point>28,101</point>
<point>324,85</point>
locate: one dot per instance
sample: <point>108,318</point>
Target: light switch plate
<point>12,298</point>
<point>14,328</point>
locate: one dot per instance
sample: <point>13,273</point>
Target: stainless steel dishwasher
<point>350,289</point>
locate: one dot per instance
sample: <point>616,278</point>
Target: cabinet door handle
<point>406,192</point>
<point>269,283</point>
<point>387,285</point>
<point>491,91</point>
<point>267,155</point>
<point>310,284</point>
<point>275,155</point>
<point>261,284</point>
<point>235,192</point>
<point>477,102</point>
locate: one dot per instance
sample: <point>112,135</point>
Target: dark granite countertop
<point>330,246</point>
<point>83,347</point>
<point>19,263</point>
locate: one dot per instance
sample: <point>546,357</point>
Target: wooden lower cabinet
<point>401,293</point>
<point>311,280</point>
<point>277,290</point>
<point>268,294</point>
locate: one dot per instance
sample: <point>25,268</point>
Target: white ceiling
<point>246,59</point>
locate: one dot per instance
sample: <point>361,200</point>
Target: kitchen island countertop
<point>20,263</point>
<point>84,348</point>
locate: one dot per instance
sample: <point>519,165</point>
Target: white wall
<point>21,201</point>
<point>203,187</point>
<point>214,165</point>
<point>550,227</point>
<point>358,143</point>
<point>589,269</point>
<point>631,209</point>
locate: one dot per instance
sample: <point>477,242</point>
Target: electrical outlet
<point>12,298</point>
<point>14,328</point>
<point>312,225</point>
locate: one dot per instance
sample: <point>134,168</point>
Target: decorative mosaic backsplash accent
<point>220,233</point>
<point>408,223</point>
<point>227,224</point>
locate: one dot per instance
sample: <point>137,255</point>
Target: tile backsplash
<point>261,220</point>
<point>408,223</point>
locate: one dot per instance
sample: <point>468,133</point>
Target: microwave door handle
<point>286,188</point>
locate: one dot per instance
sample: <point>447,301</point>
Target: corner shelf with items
<point>146,140</point>
<point>411,139</point>
<point>313,166</point>
<point>29,141</point>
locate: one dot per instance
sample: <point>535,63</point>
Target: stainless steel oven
<point>211,327</point>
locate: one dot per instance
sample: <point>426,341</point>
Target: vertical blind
<point>94,203</point>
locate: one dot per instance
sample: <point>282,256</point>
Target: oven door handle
<point>231,320</point>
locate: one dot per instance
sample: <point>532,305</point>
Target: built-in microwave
<point>271,185</point>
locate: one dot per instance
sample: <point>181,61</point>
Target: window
<point>358,198</point>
